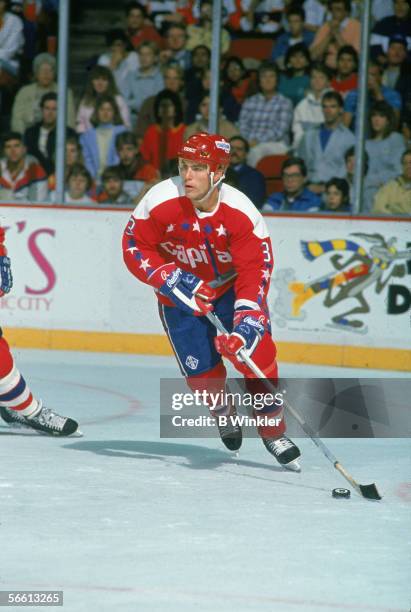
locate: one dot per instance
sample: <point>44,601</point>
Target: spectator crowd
<point>149,89</point>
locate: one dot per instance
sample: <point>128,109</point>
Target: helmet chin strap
<point>212,186</point>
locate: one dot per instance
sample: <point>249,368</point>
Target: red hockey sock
<point>213,382</point>
<point>14,392</point>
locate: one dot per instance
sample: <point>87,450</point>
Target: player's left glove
<point>6,278</point>
<point>186,290</point>
<point>248,330</point>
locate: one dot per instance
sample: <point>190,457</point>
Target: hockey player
<point>17,404</point>
<point>203,245</point>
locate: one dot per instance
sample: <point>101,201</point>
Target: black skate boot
<point>230,433</point>
<point>45,421</point>
<point>12,417</point>
<point>285,451</point>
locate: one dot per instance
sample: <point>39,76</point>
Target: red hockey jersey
<point>2,247</point>
<point>227,246</point>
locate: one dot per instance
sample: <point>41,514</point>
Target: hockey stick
<point>368,491</point>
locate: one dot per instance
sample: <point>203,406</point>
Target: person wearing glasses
<point>296,197</point>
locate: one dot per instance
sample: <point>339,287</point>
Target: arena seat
<point>270,167</point>
<point>256,48</point>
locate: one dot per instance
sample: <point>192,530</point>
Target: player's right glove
<point>6,278</point>
<point>186,290</point>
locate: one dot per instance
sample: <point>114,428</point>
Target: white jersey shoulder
<point>158,194</point>
<point>237,200</point>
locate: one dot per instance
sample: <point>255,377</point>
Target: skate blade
<point>77,434</point>
<point>293,466</point>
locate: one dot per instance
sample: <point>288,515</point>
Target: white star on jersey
<point>196,227</point>
<point>221,231</point>
<point>170,228</point>
<point>145,263</point>
<point>261,291</point>
<point>266,274</point>
<point>132,249</point>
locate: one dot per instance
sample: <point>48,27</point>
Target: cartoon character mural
<point>355,268</point>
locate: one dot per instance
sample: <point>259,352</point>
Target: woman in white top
<point>100,82</point>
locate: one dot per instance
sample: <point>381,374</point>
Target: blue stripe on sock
<point>15,392</point>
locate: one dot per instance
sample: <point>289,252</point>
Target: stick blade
<point>370,491</point>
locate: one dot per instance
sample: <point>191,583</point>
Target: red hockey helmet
<point>210,149</point>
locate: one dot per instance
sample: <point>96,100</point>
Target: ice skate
<point>285,451</point>
<point>45,421</point>
<point>12,417</point>
<point>230,432</point>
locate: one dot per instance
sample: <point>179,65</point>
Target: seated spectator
<point>295,33</point>
<point>247,179</point>
<point>396,61</point>
<point>40,139</point>
<point>225,127</point>
<point>368,189</point>
<point>133,168</point>
<point>201,33</point>
<point>74,155</point>
<point>265,118</point>
<point>295,81</point>
<point>200,61</point>
<point>295,197</point>
<point>21,176</point>
<point>397,24</point>
<point>336,196</point>
<point>122,62</point>
<point>236,86</point>
<point>100,82</point>
<point>309,113</point>
<point>397,71</point>
<point>322,147</point>
<point>11,46</point>
<point>26,108</point>
<point>146,81</point>
<point>98,143</point>
<point>163,138</point>
<point>395,197</point>
<point>173,81</point>
<point>113,191</point>
<point>376,92</point>
<point>138,29</point>
<point>79,182</point>
<point>385,146</point>
<point>175,51</point>
<point>346,78</point>
<point>339,31</point>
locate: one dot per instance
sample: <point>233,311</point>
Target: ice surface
<point>122,520</point>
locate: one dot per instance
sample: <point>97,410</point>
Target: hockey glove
<point>187,291</point>
<point>6,278</point>
<point>248,330</point>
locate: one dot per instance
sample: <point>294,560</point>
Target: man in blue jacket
<point>295,197</point>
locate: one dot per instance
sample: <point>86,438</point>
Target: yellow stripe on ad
<point>157,344</point>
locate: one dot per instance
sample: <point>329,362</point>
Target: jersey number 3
<point>266,251</point>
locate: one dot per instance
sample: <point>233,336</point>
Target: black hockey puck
<point>341,493</point>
